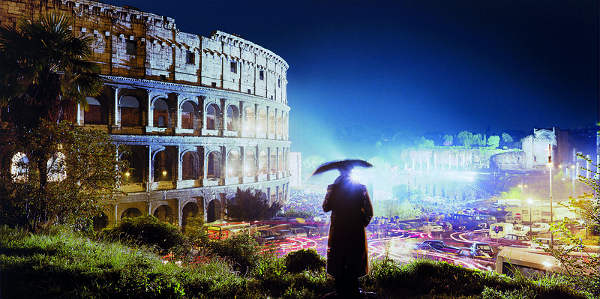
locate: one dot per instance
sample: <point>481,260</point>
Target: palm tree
<point>44,70</point>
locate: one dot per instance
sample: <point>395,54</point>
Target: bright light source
<point>127,174</point>
<point>530,201</point>
<point>164,173</point>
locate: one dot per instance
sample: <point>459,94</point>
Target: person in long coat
<point>347,252</point>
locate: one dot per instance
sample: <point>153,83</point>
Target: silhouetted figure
<point>351,212</point>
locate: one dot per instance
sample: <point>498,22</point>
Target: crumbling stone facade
<point>202,116</point>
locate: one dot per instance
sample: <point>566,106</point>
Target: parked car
<point>440,246</point>
<point>481,249</point>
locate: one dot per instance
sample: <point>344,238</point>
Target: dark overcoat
<point>351,212</point>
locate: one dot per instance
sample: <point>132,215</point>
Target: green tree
<point>423,142</point>
<point>248,205</point>
<point>466,138</point>
<point>581,266</point>
<point>45,71</point>
<point>448,139</point>
<point>506,138</point>
<point>82,174</point>
<point>494,141</point>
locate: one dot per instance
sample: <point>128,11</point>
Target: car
<point>439,246</point>
<point>481,249</point>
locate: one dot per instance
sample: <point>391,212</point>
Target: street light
<point>551,215</point>
<point>530,203</point>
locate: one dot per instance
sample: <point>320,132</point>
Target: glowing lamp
<point>164,173</point>
<point>127,174</point>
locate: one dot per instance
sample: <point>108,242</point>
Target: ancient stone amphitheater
<point>201,116</point>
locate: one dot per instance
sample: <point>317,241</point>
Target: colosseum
<point>201,116</point>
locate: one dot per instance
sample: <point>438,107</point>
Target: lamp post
<point>530,203</point>
<point>551,215</point>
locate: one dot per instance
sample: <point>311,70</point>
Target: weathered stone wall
<point>136,44</point>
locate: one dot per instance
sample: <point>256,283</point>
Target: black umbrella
<point>343,164</point>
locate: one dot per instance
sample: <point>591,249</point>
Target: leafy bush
<point>242,250</point>
<point>305,259</point>
<point>146,230</point>
<point>246,205</point>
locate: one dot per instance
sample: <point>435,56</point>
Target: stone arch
<point>94,112</point>
<point>263,162</point>
<point>190,165</point>
<point>232,117</point>
<point>162,164</point>
<point>100,221</point>
<point>213,210</point>
<point>213,164</point>
<point>249,115</point>
<point>250,162</point>
<point>212,116</point>
<point>234,163</point>
<point>272,116</point>
<point>189,112</point>
<point>190,210</point>
<point>160,113</point>
<point>131,213</point>
<point>273,161</point>
<point>57,170</point>
<point>261,126</point>
<point>137,164</point>
<point>129,109</point>
<point>164,213</point>
<point>19,166</point>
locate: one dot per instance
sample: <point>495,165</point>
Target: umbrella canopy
<point>340,165</point>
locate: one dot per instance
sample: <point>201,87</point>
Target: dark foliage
<point>305,259</point>
<point>242,250</point>
<point>148,231</point>
<point>248,205</point>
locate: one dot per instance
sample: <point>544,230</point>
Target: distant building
<point>539,148</point>
<point>295,160</point>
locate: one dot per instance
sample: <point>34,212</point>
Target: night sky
<point>380,67</point>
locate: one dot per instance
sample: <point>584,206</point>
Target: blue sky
<point>380,67</point>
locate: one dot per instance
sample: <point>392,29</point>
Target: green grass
<point>66,265</point>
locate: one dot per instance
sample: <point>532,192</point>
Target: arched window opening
<point>19,165</point>
<point>273,161</point>
<point>250,166</point>
<point>189,212</point>
<point>137,164</point>
<point>129,107</point>
<point>214,165</point>
<point>190,166</point>
<point>248,120</point>
<point>234,164</point>
<point>164,213</point>
<point>162,167</point>
<point>213,212</point>
<point>93,112</point>
<point>188,112</point>
<point>263,163</point>
<point>272,123</point>
<point>211,116</point>
<point>57,169</point>
<point>280,162</point>
<point>261,129</point>
<point>161,113</point>
<point>279,125</point>
<point>131,213</point>
<point>233,118</point>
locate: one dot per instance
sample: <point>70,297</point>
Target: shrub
<point>242,250</point>
<point>248,205</point>
<point>305,259</point>
<point>146,230</point>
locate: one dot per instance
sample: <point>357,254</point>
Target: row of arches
<point>56,166</point>
<point>202,162</point>
<point>265,122</point>
<point>166,213</point>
